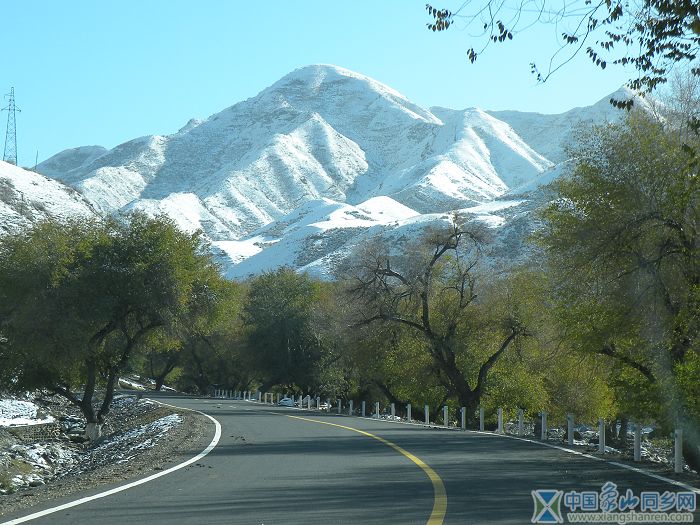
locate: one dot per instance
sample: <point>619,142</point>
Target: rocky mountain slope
<point>27,197</point>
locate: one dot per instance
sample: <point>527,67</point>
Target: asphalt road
<point>270,468</point>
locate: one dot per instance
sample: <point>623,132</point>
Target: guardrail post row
<point>601,436</point>
<point>363,408</point>
<point>376,409</point>
<point>481,418</point>
<point>427,414</point>
<point>408,412</point>
<point>463,415</point>
<point>350,410</point>
<point>637,441</point>
<point>570,429</point>
<point>445,416</point>
<point>543,430</point>
<point>393,411</point>
<point>678,451</point>
<point>500,421</point>
<point>521,426</point>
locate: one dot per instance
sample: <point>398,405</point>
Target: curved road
<point>269,468</point>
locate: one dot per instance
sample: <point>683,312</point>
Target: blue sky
<point>103,73</point>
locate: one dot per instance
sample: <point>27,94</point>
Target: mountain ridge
<point>320,135</point>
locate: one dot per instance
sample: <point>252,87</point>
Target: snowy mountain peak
<point>320,160</point>
<point>324,80</point>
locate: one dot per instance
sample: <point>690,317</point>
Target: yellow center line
<point>437,516</point>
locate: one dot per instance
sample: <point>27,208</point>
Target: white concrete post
<point>328,403</point>
<point>363,409</point>
<point>637,441</point>
<point>463,414</point>
<point>500,421</point>
<point>393,411</point>
<point>678,451</point>
<point>408,412</point>
<point>350,410</point>
<point>521,426</point>
<point>248,395</point>
<point>543,430</point>
<point>601,436</point>
<point>311,400</point>
<point>376,409</point>
<point>570,429</point>
<point>445,416</point>
<point>481,418</point>
<point>340,405</point>
<point>427,414</point>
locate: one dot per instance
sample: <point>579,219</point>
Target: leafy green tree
<point>209,327</point>
<point>431,291</point>
<point>622,243</point>
<point>79,299</point>
<point>277,316</point>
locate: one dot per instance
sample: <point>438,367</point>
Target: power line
<point>10,153</point>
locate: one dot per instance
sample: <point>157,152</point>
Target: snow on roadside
<point>14,412</point>
<point>124,447</point>
<point>33,464</point>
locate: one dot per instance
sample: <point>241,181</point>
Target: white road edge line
<point>534,442</point>
<point>210,447</point>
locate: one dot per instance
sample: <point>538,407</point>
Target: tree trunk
<point>622,435</point>
<point>691,454</point>
<point>93,431</point>
<point>171,363</point>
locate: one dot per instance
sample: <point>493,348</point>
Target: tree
<point>209,326</point>
<point>79,299</point>
<point>622,241</point>
<point>652,36</point>
<point>277,317</point>
<point>431,291</point>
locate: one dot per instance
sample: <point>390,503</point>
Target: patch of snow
<point>123,447</point>
<point>14,412</point>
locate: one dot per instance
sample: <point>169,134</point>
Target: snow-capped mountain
<point>27,197</point>
<point>318,161</point>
